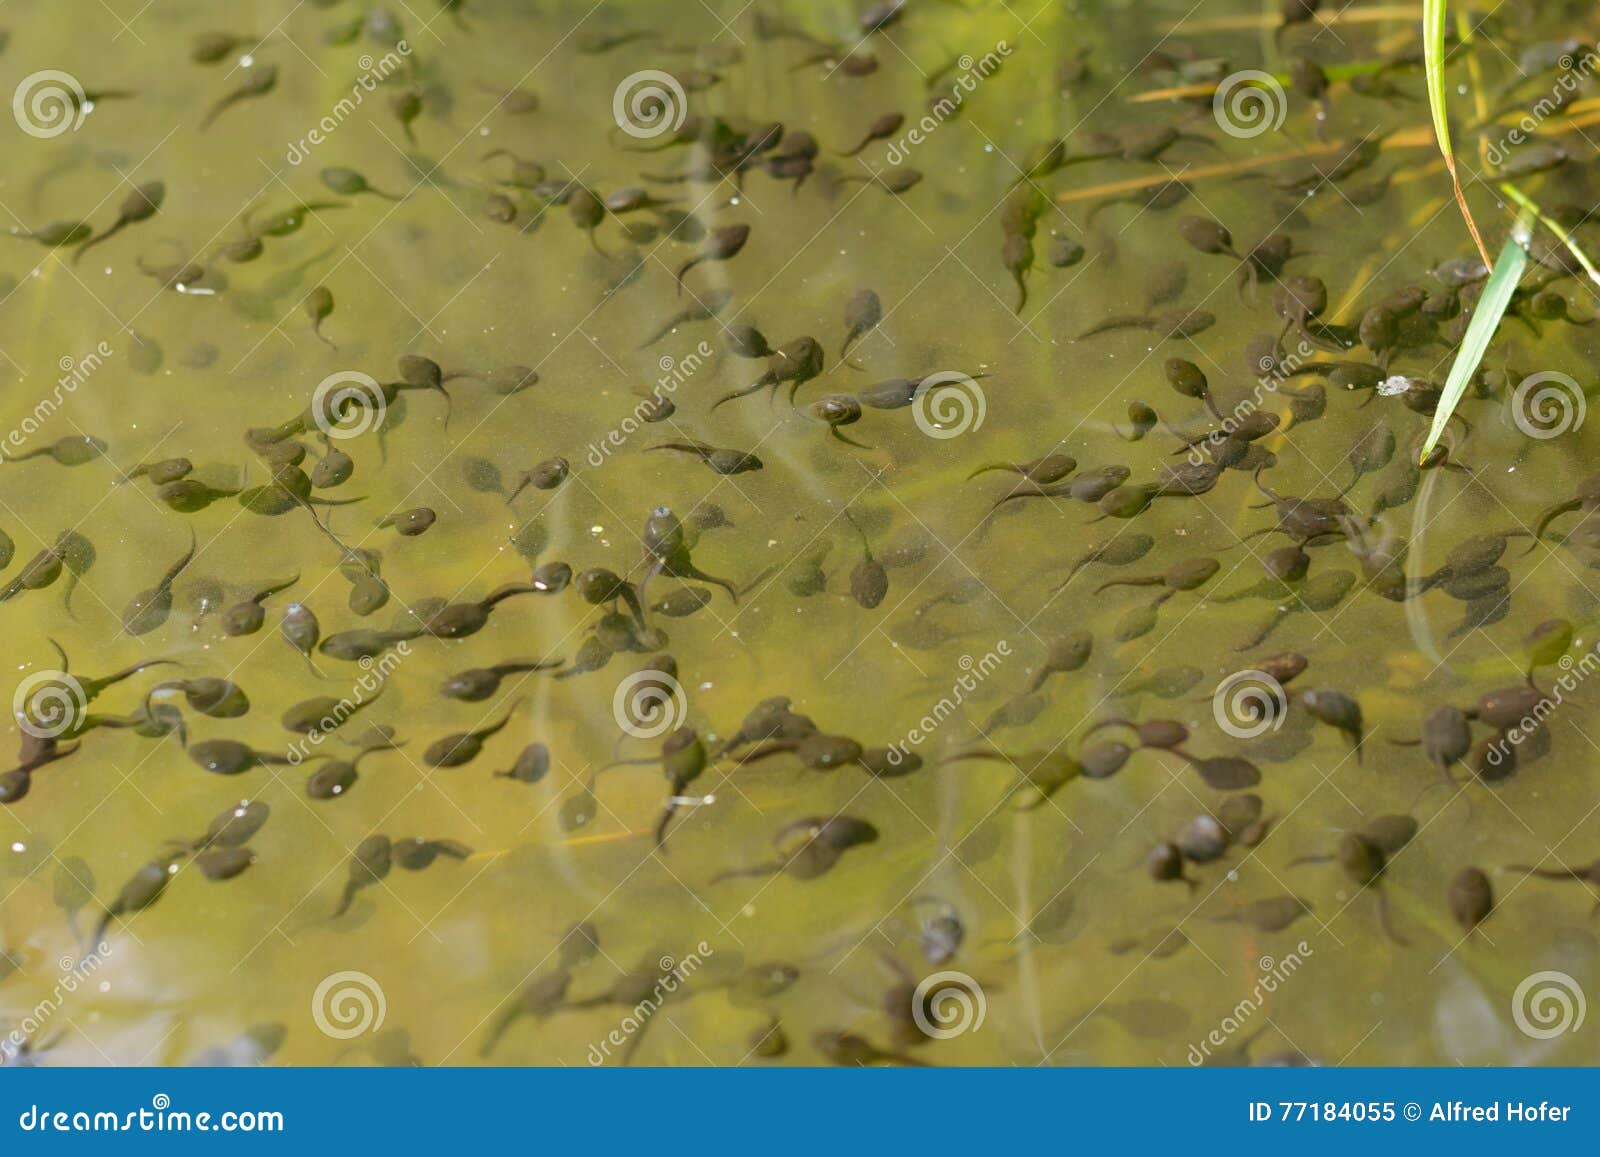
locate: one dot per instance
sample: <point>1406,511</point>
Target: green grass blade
<point>1433,32</point>
<point>1433,13</point>
<point>1480,331</point>
<point>1566,238</point>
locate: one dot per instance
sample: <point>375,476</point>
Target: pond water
<point>652,355</point>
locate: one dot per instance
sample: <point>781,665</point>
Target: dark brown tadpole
<point>209,695</point>
<point>882,128</point>
<point>683,758</point>
<point>231,828</point>
<point>1172,324</point>
<point>463,747</point>
<point>1322,592</point>
<point>1547,644</point>
<point>707,306</point>
<point>161,471</point>
<point>1205,235</point>
<point>600,587</point>
<point>141,891</point>
<point>1300,300</point>
<point>56,234</point>
<point>1165,862</point>
<point>1043,471</point>
<point>538,999</point>
<point>258,80</point>
<point>894,181</point>
<point>1446,740</point>
<point>211,47</point>
<point>369,864</point>
<point>141,204</point>
<point>459,620</point>
<point>39,572</point>
<point>349,183</point>
<point>1016,254</point>
<point>1364,856</point>
<point>1166,195</point>
<point>478,683</point>
<point>869,581</point>
<point>1337,710</point>
<point>318,305</point>
<point>247,617</point>
<point>91,687</point>
<point>71,450</point>
<point>808,848</point>
<point>230,757</point>
<point>666,552</point>
<point>723,244</point>
<point>149,609</point>
<point>1304,519</point>
<point>862,313</point>
<point>301,630</point>
<point>795,362</point>
<point>1471,898</point>
<point>720,461</point>
<point>836,410</point>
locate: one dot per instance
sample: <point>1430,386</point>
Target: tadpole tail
<point>1550,516</point>
<point>1383,920</point>
<point>684,269</point>
<point>1124,321</point>
<point>1545,873</point>
<point>767,869</point>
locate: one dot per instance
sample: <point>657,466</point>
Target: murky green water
<point>1069,952</point>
